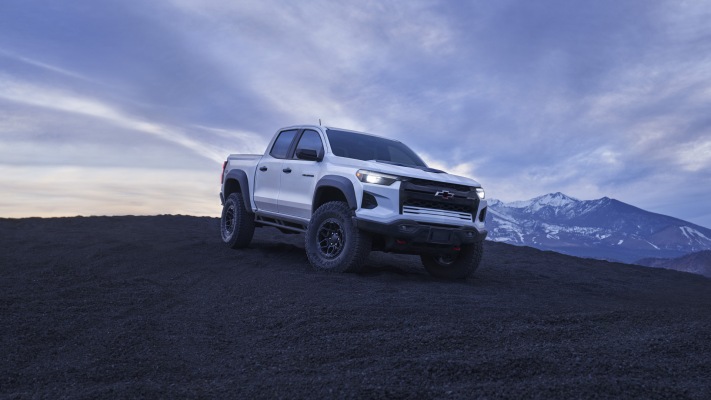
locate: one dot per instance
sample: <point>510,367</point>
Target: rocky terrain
<point>136,307</point>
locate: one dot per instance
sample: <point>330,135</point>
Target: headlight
<point>480,193</point>
<point>375,177</point>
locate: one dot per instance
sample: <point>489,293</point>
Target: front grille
<point>419,197</point>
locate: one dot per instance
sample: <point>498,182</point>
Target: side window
<point>282,144</point>
<point>310,140</point>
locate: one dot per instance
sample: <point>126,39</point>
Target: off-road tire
<point>236,224</point>
<point>458,266</point>
<point>333,242</point>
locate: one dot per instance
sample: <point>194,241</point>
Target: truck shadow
<point>395,265</point>
<point>287,251</point>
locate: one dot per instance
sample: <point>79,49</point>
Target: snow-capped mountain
<point>604,228</point>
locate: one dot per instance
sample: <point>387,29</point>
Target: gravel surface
<point>131,307</point>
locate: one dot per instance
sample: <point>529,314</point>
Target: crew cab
<point>349,193</point>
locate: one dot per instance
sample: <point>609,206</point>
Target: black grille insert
<point>422,193</point>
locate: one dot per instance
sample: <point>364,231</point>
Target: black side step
<point>280,223</point>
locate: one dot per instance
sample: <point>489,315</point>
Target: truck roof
<point>323,128</point>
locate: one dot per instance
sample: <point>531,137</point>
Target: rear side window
<point>282,144</point>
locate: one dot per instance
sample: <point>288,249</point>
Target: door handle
<point>262,168</point>
<point>287,170</point>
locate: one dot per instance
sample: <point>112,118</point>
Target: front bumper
<point>408,236</point>
<point>423,202</point>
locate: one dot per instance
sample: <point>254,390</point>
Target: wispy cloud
<point>27,93</point>
<point>45,66</point>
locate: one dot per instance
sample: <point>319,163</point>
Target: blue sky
<point>129,107</point>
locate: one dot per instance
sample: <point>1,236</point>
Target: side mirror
<point>308,154</point>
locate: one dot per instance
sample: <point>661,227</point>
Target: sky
<point>130,107</point>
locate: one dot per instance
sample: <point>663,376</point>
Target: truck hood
<point>410,172</point>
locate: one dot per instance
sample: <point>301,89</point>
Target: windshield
<point>372,148</point>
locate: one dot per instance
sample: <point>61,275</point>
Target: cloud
<point>328,70</point>
<point>695,156</point>
<point>29,94</point>
<point>48,67</point>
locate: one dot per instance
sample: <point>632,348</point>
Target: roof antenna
<point>319,122</point>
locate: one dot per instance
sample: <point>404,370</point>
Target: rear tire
<point>333,242</point>
<point>460,265</point>
<point>236,224</point>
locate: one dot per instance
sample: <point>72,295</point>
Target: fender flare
<point>241,177</point>
<point>341,183</point>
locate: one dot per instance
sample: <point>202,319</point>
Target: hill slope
<point>127,307</point>
<point>696,263</point>
<point>604,228</point>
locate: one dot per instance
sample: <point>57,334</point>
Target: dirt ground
<point>131,307</point>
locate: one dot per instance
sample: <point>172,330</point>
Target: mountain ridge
<point>604,228</point>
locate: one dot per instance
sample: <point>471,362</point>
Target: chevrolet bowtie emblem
<point>444,194</point>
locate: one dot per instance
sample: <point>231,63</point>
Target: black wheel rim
<point>330,238</point>
<point>229,222</point>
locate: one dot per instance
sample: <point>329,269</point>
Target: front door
<point>299,177</point>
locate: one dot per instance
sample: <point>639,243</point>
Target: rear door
<point>269,172</point>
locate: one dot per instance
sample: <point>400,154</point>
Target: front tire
<point>236,224</point>
<point>333,242</point>
<point>460,265</point>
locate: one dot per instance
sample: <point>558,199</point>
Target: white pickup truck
<point>350,193</point>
